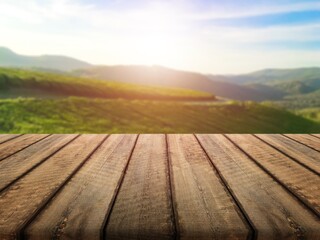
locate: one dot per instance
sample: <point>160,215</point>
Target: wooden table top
<point>206,186</point>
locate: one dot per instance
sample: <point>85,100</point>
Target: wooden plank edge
<point>20,235</point>
<point>25,146</point>
<point>287,155</point>
<point>103,232</point>
<point>242,213</point>
<point>14,137</point>
<point>316,135</point>
<point>305,145</point>
<point>176,228</point>
<point>303,201</point>
<point>37,164</point>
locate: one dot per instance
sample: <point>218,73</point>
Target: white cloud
<point>166,34</point>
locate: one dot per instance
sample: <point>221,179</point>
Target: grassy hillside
<point>17,82</point>
<point>310,113</point>
<point>82,115</point>
<point>300,101</point>
<point>160,76</point>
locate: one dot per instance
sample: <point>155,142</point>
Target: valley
<point>48,98</point>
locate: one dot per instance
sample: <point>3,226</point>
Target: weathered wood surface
<point>308,140</point>
<point>160,186</point>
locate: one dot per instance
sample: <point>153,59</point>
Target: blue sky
<point>206,36</point>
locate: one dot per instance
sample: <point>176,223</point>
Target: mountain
<point>275,76</point>
<point>161,76</point>
<point>268,84</point>
<point>9,58</point>
<point>297,88</point>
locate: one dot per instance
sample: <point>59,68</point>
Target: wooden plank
<point>79,210</point>
<point>7,137</point>
<point>300,181</point>
<point>305,139</point>
<point>18,144</point>
<point>274,212</point>
<point>18,164</point>
<point>142,209</point>
<point>302,154</point>
<point>204,207</point>
<point>26,196</point>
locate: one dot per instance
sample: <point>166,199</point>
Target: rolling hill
<point>273,76</point>
<point>296,88</point>
<point>38,102</point>
<point>9,58</point>
<point>160,76</point>
<point>264,85</point>
<point>24,83</point>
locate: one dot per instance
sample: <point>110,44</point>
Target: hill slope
<point>80,115</point>
<point>17,82</point>
<point>273,76</point>
<point>9,58</point>
<point>160,76</point>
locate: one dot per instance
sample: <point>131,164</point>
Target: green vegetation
<point>18,82</point>
<point>83,115</point>
<point>310,113</point>
<point>43,102</point>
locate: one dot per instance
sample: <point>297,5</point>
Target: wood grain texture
<point>302,154</point>
<point>274,213</point>
<point>142,209</point>
<point>205,209</point>
<point>305,139</point>
<point>159,187</point>
<point>299,180</point>
<point>23,198</point>
<point>18,164</point>
<point>19,143</point>
<point>79,210</point>
<point>7,137</point>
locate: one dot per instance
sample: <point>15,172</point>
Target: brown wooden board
<point>7,137</point>
<point>274,213</point>
<point>18,144</point>
<point>80,208</point>
<point>159,187</point>
<point>308,140</point>
<point>22,199</point>
<point>142,208</point>
<point>303,183</point>
<point>204,207</point>
<point>302,154</point>
<point>20,163</point>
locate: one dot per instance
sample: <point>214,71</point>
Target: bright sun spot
<point>158,38</point>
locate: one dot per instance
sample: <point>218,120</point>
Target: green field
<point>83,115</point>
<point>38,102</point>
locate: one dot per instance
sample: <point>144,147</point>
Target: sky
<point>219,37</point>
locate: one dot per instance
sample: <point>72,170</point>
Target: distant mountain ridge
<point>162,76</point>
<point>268,84</point>
<point>8,58</point>
<point>273,76</point>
